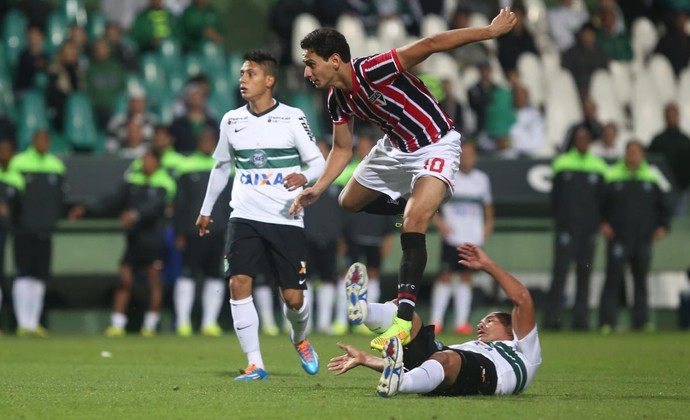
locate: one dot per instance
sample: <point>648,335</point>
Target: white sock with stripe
<point>340,303</point>
<point>380,316</point>
<point>211,301</point>
<point>440,298</point>
<point>38,293</point>
<point>463,302</point>
<point>298,320</point>
<point>21,300</point>
<point>151,320</point>
<point>423,379</point>
<point>325,300</point>
<point>246,323</point>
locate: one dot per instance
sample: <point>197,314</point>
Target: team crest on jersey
<point>259,158</point>
<point>376,98</point>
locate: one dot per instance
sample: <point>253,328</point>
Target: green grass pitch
<point>583,376</point>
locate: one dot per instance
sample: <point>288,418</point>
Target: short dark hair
<point>325,42</point>
<point>155,153</point>
<point>506,319</point>
<point>265,59</point>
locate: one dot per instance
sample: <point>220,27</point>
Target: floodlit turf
<point>583,376</point>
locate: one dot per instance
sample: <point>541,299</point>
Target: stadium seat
<point>170,54</point>
<point>433,24</point>
<point>622,76</point>
<point>221,102</point>
<point>562,108</point>
<point>56,32</point>
<point>373,45</point>
<point>647,109</point>
<point>530,70</point>
<point>193,64</point>
<point>177,79</point>
<point>603,93</point>
<point>79,126</point>
<point>391,33</point>
<point>303,24</point>
<point>212,57</point>
<point>153,76</point>
<point>14,26</point>
<point>6,97</point>
<point>643,37</point>
<point>684,100</point>
<point>353,30</point>
<point>661,72</point>
<point>478,20</point>
<point>74,11</point>
<point>32,115</point>
<point>234,63</point>
<point>163,108</point>
<point>449,7</point>
<point>95,27</point>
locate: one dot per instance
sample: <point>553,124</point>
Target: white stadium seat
<point>621,73</point>
<point>352,28</point>
<point>661,72</point>
<point>684,100</point>
<point>644,38</point>
<point>304,23</point>
<point>529,68</point>
<point>433,24</point>
<point>647,109</point>
<point>603,93</point>
<point>563,109</point>
<point>391,33</point>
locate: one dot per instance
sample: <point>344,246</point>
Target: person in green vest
<point>578,185</point>
<point>140,202</point>
<point>152,25</point>
<point>11,188</point>
<point>199,22</point>
<point>41,206</point>
<point>635,215</point>
<point>202,257</point>
<point>162,142</point>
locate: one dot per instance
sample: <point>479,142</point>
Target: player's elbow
<point>523,298</point>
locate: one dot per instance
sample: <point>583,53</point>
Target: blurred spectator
<point>119,50</point>
<point>607,148</point>
<point>578,185</point>
<point>65,76</point>
<point>135,144</point>
<point>180,104</point>
<point>616,41</point>
<point>152,25</point>
<point>105,80</point>
<point>590,122</point>
<point>674,146</point>
<point>200,22</point>
<point>470,55</point>
<point>323,227</point>
<point>675,44</point>
<point>11,188</point>
<point>40,209</point>
<point>186,128</point>
<point>33,62</point>
<point>163,144</point>
<point>515,43</point>
<point>564,21</point>
<point>77,34</point>
<point>528,133</point>
<point>451,106</point>
<point>635,215</point>
<point>281,19</point>
<point>37,11</point>
<point>136,111</point>
<point>584,58</point>
<point>468,216</point>
<point>479,96</point>
<point>140,202</point>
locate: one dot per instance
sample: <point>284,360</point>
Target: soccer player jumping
<point>410,171</point>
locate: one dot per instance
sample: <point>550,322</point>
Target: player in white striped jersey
<point>501,361</point>
<point>267,142</point>
<point>410,171</point>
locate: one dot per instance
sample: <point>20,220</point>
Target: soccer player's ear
<point>270,82</point>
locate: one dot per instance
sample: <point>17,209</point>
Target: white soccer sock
<point>380,316</point>
<point>440,297</point>
<point>118,320</point>
<point>423,379</point>
<point>38,293</point>
<point>212,301</point>
<point>341,303</point>
<point>264,304</point>
<point>21,300</point>
<point>463,302</point>
<point>373,290</point>
<point>151,320</point>
<point>246,323</point>
<point>183,296</point>
<point>298,321</point>
<point>325,300</point>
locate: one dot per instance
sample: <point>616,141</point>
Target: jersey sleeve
<point>381,69</point>
<point>223,152</point>
<point>335,108</point>
<point>530,347</point>
<point>304,138</point>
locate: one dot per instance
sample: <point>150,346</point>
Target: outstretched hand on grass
<point>351,359</point>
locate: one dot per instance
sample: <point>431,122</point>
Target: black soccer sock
<point>385,205</point>
<point>412,267</point>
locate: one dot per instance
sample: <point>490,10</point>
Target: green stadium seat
<point>235,61</point>
<point>14,26</point>
<point>74,11</point>
<point>212,57</point>
<point>177,79</point>
<point>32,115</point>
<point>170,54</point>
<point>79,125</point>
<point>59,144</point>
<point>121,103</point>
<point>56,32</point>
<point>163,109</point>
<point>193,64</point>
<point>153,74</point>
<point>220,103</point>
<point>95,27</point>
<point>7,97</point>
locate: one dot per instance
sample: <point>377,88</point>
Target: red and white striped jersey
<point>395,100</point>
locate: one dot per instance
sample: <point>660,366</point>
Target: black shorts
<point>449,260</point>
<point>323,259</point>
<point>33,252</point>
<point>422,346</point>
<point>203,255</point>
<point>477,376</point>
<point>282,247</point>
<point>370,255</point>
<point>144,249</point>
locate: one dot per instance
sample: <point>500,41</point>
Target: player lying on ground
<point>502,360</point>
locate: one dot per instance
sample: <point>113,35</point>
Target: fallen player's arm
<point>352,358</point>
